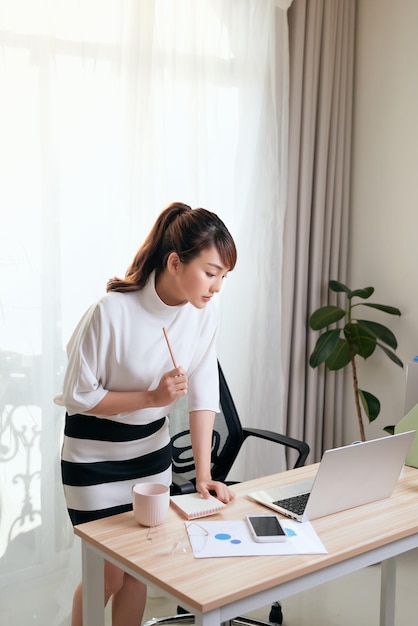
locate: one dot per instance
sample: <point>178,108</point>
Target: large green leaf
<point>340,357</point>
<point>364,293</point>
<point>324,347</point>
<point>391,310</point>
<point>325,316</point>
<point>393,357</point>
<point>364,342</point>
<point>336,286</point>
<point>370,403</point>
<point>380,332</point>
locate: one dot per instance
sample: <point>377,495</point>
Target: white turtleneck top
<point>119,345</point>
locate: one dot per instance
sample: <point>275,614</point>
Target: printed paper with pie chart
<point>232,538</point>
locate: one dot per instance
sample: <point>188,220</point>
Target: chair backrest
<point>226,440</point>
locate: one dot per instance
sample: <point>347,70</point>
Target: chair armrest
<point>302,447</point>
<point>181,485</point>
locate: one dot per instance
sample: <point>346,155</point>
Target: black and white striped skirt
<point>102,459</point>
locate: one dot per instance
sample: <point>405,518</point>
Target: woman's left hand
<point>222,491</point>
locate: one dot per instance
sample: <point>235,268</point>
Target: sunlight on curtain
<point>109,110</point>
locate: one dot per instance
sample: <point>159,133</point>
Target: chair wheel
<point>276,615</point>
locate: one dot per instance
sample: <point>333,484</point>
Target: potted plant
<point>353,338</point>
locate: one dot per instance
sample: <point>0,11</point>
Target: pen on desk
<point>169,347</point>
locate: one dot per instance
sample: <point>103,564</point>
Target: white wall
<point>384,212</point>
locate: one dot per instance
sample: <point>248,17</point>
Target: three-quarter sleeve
<point>82,388</point>
<point>203,390</point>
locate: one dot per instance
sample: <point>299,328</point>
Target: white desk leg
<point>93,586</point>
<point>208,619</point>
<point>388,592</point>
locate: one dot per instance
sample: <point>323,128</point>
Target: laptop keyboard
<point>295,504</point>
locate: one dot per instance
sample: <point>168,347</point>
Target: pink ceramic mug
<point>151,502</point>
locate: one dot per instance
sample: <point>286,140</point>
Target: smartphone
<point>266,528</point>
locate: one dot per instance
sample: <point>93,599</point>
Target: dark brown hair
<point>181,229</point>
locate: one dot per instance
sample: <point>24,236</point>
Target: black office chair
<point>228,438</point>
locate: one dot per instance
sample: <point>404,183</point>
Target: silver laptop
<point>347,477</point>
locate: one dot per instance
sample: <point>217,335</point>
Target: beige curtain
<point>321,34</point>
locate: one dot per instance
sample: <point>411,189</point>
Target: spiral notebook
<point>192,505</point>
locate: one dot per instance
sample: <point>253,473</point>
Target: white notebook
<point>193,505</point>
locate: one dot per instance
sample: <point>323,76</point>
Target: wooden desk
<point>219,589</point>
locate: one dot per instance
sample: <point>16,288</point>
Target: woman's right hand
<point>172,386</point>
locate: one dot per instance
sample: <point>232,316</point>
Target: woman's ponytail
<point>178,229</point>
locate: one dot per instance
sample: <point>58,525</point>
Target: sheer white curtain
<point>109,110</point>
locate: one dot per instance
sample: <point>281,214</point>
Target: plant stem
<point>355,381</point>
<point>356,397</point>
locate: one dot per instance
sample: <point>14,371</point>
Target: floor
<point>347,601</point>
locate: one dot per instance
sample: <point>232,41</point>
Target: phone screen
<point>266,525</point>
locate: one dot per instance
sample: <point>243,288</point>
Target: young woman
<point>120,382</point>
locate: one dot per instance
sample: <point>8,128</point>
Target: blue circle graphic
<point>290,532</point>
<point>226,537</point>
